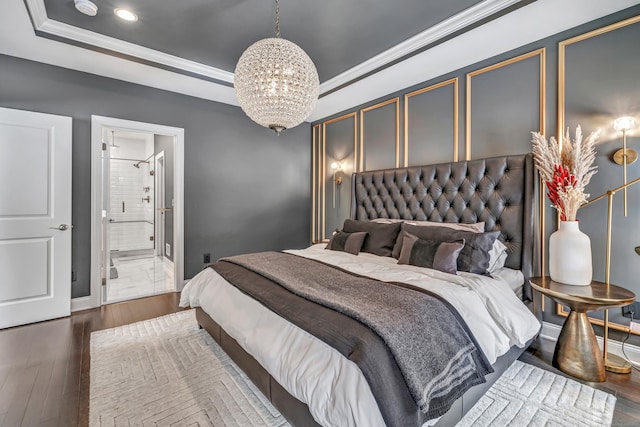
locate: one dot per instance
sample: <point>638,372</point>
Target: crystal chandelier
<point>276,82</point>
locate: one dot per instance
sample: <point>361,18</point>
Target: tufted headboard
<point>498,191</point>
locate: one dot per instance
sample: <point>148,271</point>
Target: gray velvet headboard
<point>499,191</point>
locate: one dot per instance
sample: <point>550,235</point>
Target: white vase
<point>570,255</point>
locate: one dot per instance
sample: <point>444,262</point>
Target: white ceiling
<point>527,24</point>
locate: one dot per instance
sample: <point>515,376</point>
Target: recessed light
<point>125,14</point>
<point>87,7</point>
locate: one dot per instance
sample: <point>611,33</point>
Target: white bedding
<point>332,386</point>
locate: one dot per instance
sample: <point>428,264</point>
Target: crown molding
<point>42,23</point>
<point>429,36</point>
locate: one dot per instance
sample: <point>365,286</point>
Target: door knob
<point>61,227</point>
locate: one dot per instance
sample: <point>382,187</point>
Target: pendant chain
<point>278,19</point>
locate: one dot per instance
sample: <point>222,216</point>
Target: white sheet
<point>514,278</point>
<point>313,372</point>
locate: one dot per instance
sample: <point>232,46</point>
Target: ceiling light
<point>276,82</point>
<point>87,7</point>
<point>125,14</point>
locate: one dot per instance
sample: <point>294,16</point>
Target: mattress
<point>313,372</point>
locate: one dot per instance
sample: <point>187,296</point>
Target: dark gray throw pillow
<point>442,256</point>
<point>474,257</point>
<point>380,238</point>
<point>347,242</point>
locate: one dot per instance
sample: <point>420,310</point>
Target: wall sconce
<point>624,156</point>
<point>336,167</point>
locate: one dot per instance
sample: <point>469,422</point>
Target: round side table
<point>577,352</point>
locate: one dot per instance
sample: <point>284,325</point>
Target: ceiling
<point>363,49</point>
<point>336,34</point>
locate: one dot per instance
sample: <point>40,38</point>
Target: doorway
<point>138,235</point>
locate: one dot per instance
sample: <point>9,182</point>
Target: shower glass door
<point>129,217</point>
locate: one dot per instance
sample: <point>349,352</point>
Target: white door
<point>35,217</point>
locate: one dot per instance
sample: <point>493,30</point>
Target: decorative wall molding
<point>407,96</point>
<point>316,179</point>
<point>397,130</point>
<point>562,57</point>
<point>541,53</point>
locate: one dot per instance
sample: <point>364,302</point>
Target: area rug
<point>529,396</point>
<point>168,372</point>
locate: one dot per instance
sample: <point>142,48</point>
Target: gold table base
<point>577,352</point>
<point>616,364</point>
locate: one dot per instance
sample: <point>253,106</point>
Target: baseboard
<point>82,303</point>
<point>551,331</point>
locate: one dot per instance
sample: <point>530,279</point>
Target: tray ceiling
<point>205,38</point>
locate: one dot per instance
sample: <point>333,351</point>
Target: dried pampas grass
<point>566,169</point>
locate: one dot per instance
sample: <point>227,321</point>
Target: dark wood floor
<point>44,367</point>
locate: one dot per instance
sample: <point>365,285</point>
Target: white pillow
<point>477,227</point>
<point>497,256</point>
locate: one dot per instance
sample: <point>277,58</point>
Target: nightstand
<point>577,352</point>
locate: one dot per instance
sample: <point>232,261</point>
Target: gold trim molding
<point>539,52</point>
<point>373,107</point>
<point>562,65</point>
<point>315,188</point>
<point>454,82</point>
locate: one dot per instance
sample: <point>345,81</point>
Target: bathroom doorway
<point>137,262</point>
<point>139,234</point>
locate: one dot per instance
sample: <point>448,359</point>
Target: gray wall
<point>246,189</point>
<point>601,84</point>
<point>165,143</point>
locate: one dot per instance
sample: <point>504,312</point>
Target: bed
<point>314,383</point>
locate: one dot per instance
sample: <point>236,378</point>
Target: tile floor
<point>140,276</point>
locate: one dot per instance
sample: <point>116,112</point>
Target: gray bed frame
<point>499,191</point>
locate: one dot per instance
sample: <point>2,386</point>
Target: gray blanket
<point>438,363</point>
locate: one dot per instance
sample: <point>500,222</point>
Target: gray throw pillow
<point>347,242</point>
<point>474,257</point>
<point>380,238</point>
<point>442,256</point>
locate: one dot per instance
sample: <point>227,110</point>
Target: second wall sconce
<point>336,167</point>
<point>624,156</point>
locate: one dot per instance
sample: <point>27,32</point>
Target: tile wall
<point>131,214</point>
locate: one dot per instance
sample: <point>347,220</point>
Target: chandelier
<point>276,82</point>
